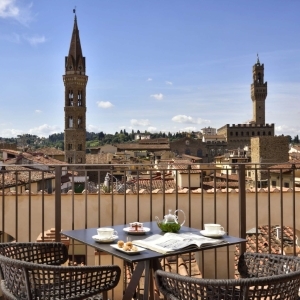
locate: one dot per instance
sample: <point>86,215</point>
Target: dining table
<point>146,261</point>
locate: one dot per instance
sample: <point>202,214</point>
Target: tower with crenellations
<point>239,135</point>
<point>75,81</point>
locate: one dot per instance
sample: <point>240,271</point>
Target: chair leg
<point>104,295</point>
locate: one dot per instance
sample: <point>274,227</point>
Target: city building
<point>75,82</point>
<point>209,131</point>
<point>239,135</point>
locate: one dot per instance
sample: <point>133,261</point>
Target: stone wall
<point>272,149</point>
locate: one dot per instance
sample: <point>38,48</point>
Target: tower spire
<point>75,62</point>
<point>257,60</point>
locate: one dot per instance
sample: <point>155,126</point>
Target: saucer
<point>109,240</point>
<point>138,232</point>
<point>208,234</point>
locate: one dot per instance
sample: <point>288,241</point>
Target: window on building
<point>79,122</point>
<point>273,183</point>
<point>242,133</point>
<point>70,160</point>
<point>247,133</point>
<point>79,160</point>
<point>70,122</point>
<point>70,98</point>
<point>286,184</point>
<point>269,133</point>
<point>264,133</point>
<point>253,133</point>
<point>236,134</point>
<point>79,147</point>
<point>70,146</point>
<point>79,98</point>
<point>258,133</point>
<point>231,133</point>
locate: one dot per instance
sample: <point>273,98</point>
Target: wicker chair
<point>34,271</point>
<point>263,276</point>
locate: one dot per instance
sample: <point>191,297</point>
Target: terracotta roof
<point>49,236</point>
<point>262,241</point>
<point>24,175</point>
<point>220,184</point>
<point>153,147</point>
<point>149,185</point>
<point>38,158</point>
<point>284,168</point>
<point>51,151</point>
<point>233,177</point>
<point>154,141</point>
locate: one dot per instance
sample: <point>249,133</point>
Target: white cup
<point>213,228</point>
<point>106,233</point>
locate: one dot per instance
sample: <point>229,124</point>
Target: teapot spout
<point>158,221</point>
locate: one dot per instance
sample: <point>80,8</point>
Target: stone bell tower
<point>75,82</point>
<point>259,90</point>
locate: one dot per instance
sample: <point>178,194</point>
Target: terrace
<point>119,194</point>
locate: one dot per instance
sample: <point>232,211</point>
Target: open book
<point>170,242</point>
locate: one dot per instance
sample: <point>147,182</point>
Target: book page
<point>173,241</point>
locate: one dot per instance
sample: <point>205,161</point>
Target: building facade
<point>75,81</point>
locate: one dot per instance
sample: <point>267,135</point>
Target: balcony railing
<point>251,201</point>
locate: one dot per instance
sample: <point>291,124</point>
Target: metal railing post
<point>242,205</point>
<point>57,213</point>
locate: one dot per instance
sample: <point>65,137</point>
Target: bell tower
<point>75,82</point>
<point>259,90</point>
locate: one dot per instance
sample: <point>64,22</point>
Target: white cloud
<point>35,40</point>
<point>37,111</point>
<point>169,83</point>
<point>16,10</point>
<point>189,120</point>
<point>159,96</point>
<point>189,129</point>
<point>44,130</point>
<point>149,79</point>
<point>93,128</point>
<point>151,129</point>
<point>8,9</point>
<point>104,104</point>
<point>141,122</point>
<point>8,133</point>
<point>287,130</point>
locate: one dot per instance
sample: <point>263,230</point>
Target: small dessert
<point>126,248</point>
<point>136,226</point>
<point>120,244</point>
<point>129,244</point>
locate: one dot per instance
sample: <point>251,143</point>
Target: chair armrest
<point>41,253</point>
<point>36,281</point>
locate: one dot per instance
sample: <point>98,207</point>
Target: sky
<point>169,66</point>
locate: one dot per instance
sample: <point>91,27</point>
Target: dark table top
<point>85,236</point>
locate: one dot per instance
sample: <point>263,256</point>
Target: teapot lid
<point>170,217</point>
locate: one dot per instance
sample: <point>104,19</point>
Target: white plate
<point>208,234</point>
<point>109,240</point>
<point>139,250</point>
<point>145,229</point>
